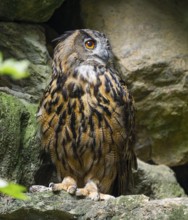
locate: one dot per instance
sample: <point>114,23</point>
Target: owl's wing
<point>127,159</point>
<point>48,118</point>
<point>46,134</point>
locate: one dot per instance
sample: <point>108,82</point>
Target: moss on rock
<point>19,148</point>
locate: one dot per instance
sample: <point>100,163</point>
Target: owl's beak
<point>105,55</point>
<point>102,57</point>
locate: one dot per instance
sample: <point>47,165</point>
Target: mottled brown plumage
<point>87,118</point>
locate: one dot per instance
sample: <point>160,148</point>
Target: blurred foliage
<point>12,189</point>
<point>15,69</point>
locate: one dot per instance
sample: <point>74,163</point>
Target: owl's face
<point>83,50</point>
<point>93,46</point>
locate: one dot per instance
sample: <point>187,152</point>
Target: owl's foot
<point>91,191</point>
<point>68,184</point>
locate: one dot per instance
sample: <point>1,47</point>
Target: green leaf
<point>13,68</point>
<point>14,190</point>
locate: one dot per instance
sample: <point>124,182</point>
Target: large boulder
<point>150,40</point>
<point>50,206</point>
<point>21,41</point>
<point>32,11</point>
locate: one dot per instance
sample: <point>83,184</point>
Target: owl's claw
<point>72,189</point>
<point>51,185</point>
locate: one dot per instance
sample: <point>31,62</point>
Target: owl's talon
<point>72,189</point>
<point>51,185</point>
<point>54,187</point>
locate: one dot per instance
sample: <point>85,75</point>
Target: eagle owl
<point>86,118</point>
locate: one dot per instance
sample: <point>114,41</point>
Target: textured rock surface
<point>156,181</point>
<point>150,39</point>
<point>21,41</point>
<point>19,147</point>
<point>63,206</point>
<point>33,10</point>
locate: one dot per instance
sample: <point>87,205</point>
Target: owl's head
<point>84,45</point>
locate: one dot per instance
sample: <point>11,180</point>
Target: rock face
<point>25,42</point>
<point>19,146</point>
<point>63,206</point>
<point>150,40</point>
<point>32,11</point>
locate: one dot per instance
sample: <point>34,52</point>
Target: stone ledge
<point>47,205</point>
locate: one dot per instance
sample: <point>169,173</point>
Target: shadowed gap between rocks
<point>182,176</point>
<point>67,17</point>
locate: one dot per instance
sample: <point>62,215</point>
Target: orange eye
<point>90,44</point>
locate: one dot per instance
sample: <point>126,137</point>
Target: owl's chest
<point>91,132</point>
<point>83,124</point>
<point>95,116</point>
<point>79,109</point>
<point>84,112</point>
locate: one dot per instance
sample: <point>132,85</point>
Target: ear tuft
<point>64,36</point>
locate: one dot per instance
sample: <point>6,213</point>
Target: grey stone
<point>156,181</point>
<point>150,40</point>
<point>21,41</point>
<point>19,145</point>
<point>46,205</point>
<point>32,11</point>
